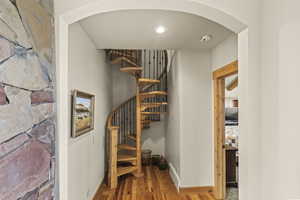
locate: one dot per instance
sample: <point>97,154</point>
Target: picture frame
<point>83,109</point>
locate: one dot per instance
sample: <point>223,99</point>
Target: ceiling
<point>136,29</point>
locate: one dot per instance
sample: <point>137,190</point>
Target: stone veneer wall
<point>27,100</point>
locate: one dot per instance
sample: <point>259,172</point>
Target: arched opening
<point>63,22</point>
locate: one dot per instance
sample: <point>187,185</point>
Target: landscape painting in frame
<point>82,113</point>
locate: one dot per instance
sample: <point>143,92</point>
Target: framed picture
<point>82,113</point>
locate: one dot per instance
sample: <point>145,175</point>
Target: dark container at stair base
<point>163,164</point>
<point>146,157</point>
<point>156,160</point>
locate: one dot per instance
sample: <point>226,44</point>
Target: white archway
<point>62,38</point>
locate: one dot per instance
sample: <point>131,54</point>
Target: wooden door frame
<point>219,76</point>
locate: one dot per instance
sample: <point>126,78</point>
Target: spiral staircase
<point>126,122</point>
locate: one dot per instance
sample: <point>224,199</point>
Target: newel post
<point>113,151</point>
<point>139,172</point>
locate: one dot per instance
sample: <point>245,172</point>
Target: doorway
<point>223,149</point>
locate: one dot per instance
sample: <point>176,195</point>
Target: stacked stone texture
<point>27,100</point>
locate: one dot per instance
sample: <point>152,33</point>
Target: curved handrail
<point>164,71</point>
<point>109,118</point>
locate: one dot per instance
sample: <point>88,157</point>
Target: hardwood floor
<point>154,185</point>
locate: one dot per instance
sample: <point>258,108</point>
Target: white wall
<point>173,136</point>
<point>233,94</point>
<point>123,85</point>
<point>189,138</point>
<point>280,99</point>
<point>88,72</point>
<point>195,115</point>
<point>225,52</point>
<point>154,137</point>
<point>189,135</point>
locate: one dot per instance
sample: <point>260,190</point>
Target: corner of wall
<point>174,176</point>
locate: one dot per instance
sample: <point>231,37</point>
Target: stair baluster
<point>125,123</point>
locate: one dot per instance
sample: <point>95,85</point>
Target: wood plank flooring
<point>154,185</point>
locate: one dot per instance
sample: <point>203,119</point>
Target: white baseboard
<point>174,176</point>
<point>93,194</point>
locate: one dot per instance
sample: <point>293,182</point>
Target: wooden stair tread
<point>123,58</point>
<point>151,113</point>
<point>126,157</point>
<point>145,106</point>
<point>126,147</point>
<point>145,117</point>
<point>152,94</point>
<point>132,70</point>
<point>154,104</point>
<point>131,137</point>
<point>146,81</point>
<point>125,170</point>
<point>113,127</point>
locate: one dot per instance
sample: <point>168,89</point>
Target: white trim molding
<point>174,176</point>
<point>62,105</point>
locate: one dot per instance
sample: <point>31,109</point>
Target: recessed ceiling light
<point>160,29</point>
<point>206,38</point>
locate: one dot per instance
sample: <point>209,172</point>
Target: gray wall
<point>173,123</point>
<point>195,114</point>
<point>154,138</point>
<point>27,100</point>
<point>225,52</point>
<point>189,135</point>
<point>88,72</point>
<point>280,100</point>
<point>123,85</point>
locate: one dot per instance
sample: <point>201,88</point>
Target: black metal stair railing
<point>159,72</point>
<point>124,117</point>
<point>154,65</point>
